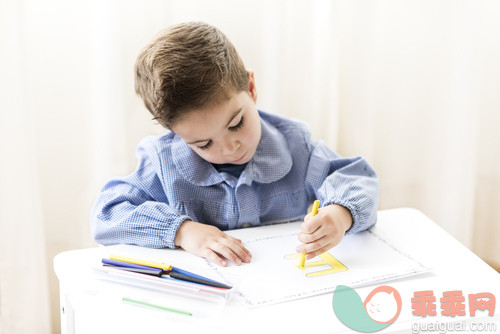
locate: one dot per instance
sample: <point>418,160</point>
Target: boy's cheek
<point>206,156</point>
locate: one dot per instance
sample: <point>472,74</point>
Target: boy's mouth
<point>240,159</point>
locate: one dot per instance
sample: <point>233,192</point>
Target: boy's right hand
<point>211,243</point>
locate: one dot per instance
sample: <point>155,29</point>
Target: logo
<point>379,310</point>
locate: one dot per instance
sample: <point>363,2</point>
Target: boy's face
<point>226,132</point>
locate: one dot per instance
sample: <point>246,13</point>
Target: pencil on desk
<point>163,266</point>
<point>155,306</point>
<point>313,213</point>
<point>159,269</point>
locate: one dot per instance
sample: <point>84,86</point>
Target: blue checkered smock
<point>172,184</point>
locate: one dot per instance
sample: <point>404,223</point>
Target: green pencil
<point>157,307</point>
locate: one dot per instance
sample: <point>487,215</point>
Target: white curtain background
<point>413,86</point>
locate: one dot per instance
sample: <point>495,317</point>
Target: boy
<point>224,164</point>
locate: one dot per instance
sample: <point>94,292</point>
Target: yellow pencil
<point>141,262</point>
<point>313,213</point>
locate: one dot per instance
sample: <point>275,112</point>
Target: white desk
<point>85,309</point>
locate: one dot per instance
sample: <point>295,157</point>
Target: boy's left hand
<point>323,231</point>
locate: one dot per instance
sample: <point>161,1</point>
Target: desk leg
<point>67,313</point>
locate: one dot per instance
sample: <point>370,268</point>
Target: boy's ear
<point>251,86</point>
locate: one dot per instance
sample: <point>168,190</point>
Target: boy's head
<point>188,66</point>
<point>194,83</point>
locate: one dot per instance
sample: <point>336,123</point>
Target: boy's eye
<point>206,146</point>
<point>237,126</point>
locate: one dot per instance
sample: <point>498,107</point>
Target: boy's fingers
<point>319,251</point>
<point>241,252</point>
<point>227,253</point>
<point>233,251</point>
<point>220,257</point>
<point>312,246</point>
<point>215,258</point>
<point>317,232</point>
<point>310,225</point>
<point>317,248</point>
<point>307,238</point>
<point>246,256</point>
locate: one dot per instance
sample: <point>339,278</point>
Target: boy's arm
<point>349,182</point>
<point>135,210</point>
<point>124,214</point>
<point>348,191</point>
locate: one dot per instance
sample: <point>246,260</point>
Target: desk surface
<point>454,267</point>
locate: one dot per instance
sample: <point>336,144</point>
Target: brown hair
<point>187,66</point>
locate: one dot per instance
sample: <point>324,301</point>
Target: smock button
<point>245,225</point>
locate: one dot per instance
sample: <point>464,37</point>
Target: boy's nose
<point>230,147</point>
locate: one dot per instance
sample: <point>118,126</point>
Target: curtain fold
<point>410,85</point>
<point>24,294</point>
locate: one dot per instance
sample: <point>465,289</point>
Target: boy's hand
<point>211,243</point>
<point>323,231</point>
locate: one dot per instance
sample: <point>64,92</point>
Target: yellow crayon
<point>313,213</point>
<point>163,266</point>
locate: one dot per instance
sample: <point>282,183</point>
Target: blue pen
<point>174,273</point>
<point>188,273</point>
<point>153,272</point>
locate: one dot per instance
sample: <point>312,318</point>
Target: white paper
<point>271,277</point>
